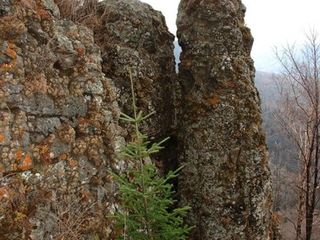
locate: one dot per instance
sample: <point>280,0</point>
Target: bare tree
<point>299,115</point>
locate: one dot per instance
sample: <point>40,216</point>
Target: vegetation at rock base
<point>146,197</point>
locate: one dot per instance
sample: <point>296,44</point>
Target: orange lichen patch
<point>26,164</point>
<point>214,100</point>
<point>80,51</point>
<point>45,154</point>
<point>10,51</point>
<point>12,54</point>
<point>19,154</point>
<point>6,66</point>
<point>43,14</point>
<point>63,157</point>
<point>4,193</point>
<point>2,138</point>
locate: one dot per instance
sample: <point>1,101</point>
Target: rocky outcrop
<point>62,87</point>
<point>59,130</point>
<point>133,36</point>
<point>225,178</point>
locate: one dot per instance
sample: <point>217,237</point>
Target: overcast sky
<point>273,23</point>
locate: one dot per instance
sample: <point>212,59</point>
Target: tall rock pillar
<point>225,179</point>
<point>134,36</point>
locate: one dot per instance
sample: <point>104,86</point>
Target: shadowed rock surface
<point>134,36</point>
<point>226,178</point>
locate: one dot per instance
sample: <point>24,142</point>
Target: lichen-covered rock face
<point>59,112</point>
<point>134,36</point>
<point>225,178</point>
<point>58,125</point>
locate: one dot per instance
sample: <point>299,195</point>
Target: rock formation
<point>226,178</point>
<point>59,129</point>
<point>62,87</point>
<point>134,36</point>
<point>59,112</point>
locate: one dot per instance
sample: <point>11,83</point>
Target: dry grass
<point>79,11</point>
<point>68,217</point>
<point>89,13</point>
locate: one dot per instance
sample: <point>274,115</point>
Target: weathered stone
<point>4,7</point>
<point>225,179</point>
<point>59,130</point>
<point>135,37</point>
<point>45,125</point>
<point>58,124</point>
<point>53,8</point>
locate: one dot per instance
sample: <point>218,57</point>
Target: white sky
<point>272,22</point>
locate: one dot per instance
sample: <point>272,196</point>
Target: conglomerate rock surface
<point>225,179</point>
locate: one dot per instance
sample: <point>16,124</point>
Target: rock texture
<point>226,178</point>
<point>135,37</point>
<point>58,129</point>
<point>62,87</point>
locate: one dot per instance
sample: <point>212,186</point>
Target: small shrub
<point>145,197</point>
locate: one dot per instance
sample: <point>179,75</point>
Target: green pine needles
<point>145,197</point>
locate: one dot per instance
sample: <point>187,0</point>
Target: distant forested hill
<point>281,149</point>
